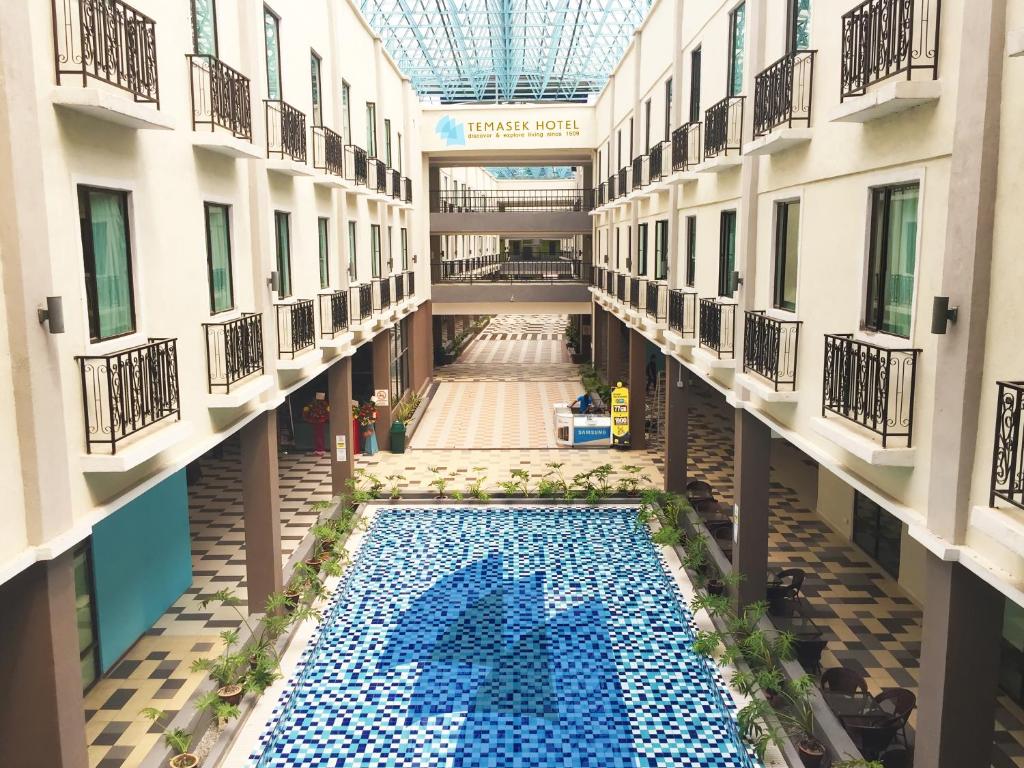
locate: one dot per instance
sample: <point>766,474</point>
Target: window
<point>787,240</point>
<point>691,250</point>
<point>218,257</point>
<point>375,250</point>
<point>405,249</point>
<point>346,113</point>
<point>391,251</point>
<point>618,247</point>
<point>647,126</point>
<point>387,142</point>
<point>798,30</point>
<point>371,129</point>
<point>204,27</point>
<point>85,614</point>
<point>726,253</point>
<point>668,109</point>
<point>353,263</point>
<point>325,273</point>
<point>878,533</point>
<point>314,80</point>
<point>398,148</point>
<point>272,45</point>
<point>619,149</point>
<point>737,24</point>
<point>891,259</point>
<point>106,245</point>
<point>399,360</point>
<point>695,85</point>
<point>282,239</point>
<point>632,146</point>
<point>1011,656</point>
<point>641,250</point>
<point>661,249</point>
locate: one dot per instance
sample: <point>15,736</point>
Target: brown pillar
<point>963,625</point>
<point>42,717</point>
<point>637,390</point>
<point>613,343</point>
<point>753,468</point>
<point>422,345</point>
<point>339,394</point>
<point>262,500</point>
<point>677,426</point>
<point>382,380</point>
<point>599,325</point>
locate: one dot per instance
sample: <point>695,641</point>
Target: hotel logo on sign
<point>521,129</point>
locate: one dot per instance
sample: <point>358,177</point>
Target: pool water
<point>505,637</point>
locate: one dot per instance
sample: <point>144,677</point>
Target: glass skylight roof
<point>506,50</point>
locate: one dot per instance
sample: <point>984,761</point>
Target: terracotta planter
<point>811,752</point>
<point>186,760</point>
<point>230,694</point>
<point>292,600</point>
<point>716,587</point>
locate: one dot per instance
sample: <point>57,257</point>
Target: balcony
<point>399,289</point>
<point>635,289</point>
<point>286,139</point>
<point>873,388</point>
<point>782,104</point>
<point>656,300</point>
<point>381,294</point>
<point>620,288</point>
<point>659,162</point>
<point>641,172</point>
<point>770,349</point>
<point>686,147</point>
<point>613,192</point>
<point>296,334</point>
<point>410,283</point>
<point>522,211</point>
<point>717,329</point>
<point>407,190</point>
<point>220,99</point>
<point>723,135</point>
<point>125,395</point>
<point>101,43</point>
<point>356,164</point>
<point>682,313</point>
<point>888,40</point>
<point>234,360</point>
<point>377,176</point>
<point>328,156</point>
<point>1008,448</point>
<point>501,268</point>
<point>622,185</point>
<point>360,303</point>
<point>333,316</point>
<point>395,185</point>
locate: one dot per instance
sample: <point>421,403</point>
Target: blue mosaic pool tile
<point>527,638</point>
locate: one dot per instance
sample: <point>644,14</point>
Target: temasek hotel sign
<point>476,128</point>
<point>521,129</point>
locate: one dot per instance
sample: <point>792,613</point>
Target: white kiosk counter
<point>589,430</point>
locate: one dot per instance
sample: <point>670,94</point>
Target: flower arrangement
<point>365,414</point>
<point>317,412</point>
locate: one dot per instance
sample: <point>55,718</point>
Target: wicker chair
<point>900,703</point>
<point>844,680</point>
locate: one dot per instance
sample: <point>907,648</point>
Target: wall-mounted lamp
<point>415,258</point>
<point>737,281</point>
<point>274,281</point>
<point>53,314</point>
<point>680,383</point>
<point>942,314</point>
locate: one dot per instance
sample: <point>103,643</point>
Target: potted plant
<point>440,481</point>
<point>227,670</point>
<point>316,414</point>
<point>179,741</point>
<point>366,416</point>
<point>794,712</point>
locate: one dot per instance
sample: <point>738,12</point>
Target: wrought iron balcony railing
<point>410,283</point>
<point>656,302</point>
<point>613,191</point>
<point>333,313</point>
<point>108,41</point>
<point>723,127</point>
<point>885,38</point>
<point>220,96</point>
<point>682,313</point>
<point>770,349</point>
<point>296,328</point>
<point>286,131</point>
<point>635,289</point>
<point>659,163</point>
<point>234,351</point>
<point>685,146</point>
<point>620,287</point>
<point>718,327</point>
<point>328,151</point>
<point>871,386</point>
<point>378,176</point>
<point>381,293</point>
<point>396,184</point>
<point>641,171</point>
<point>361,302</point>
<point>503,268</point>
<point>355,164</point>
<point>399,291</point>
<point>782,93</point>
<point>623,182</point>
<point>1008,448</point>
<point>407,189</point>
<point>597,278</point>
<point>509,200</point>
<point>125,392</point>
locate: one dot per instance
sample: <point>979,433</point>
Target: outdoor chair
<point>896,758</point>
<point>899,702</point>
<point>874,738</point>
<point>808,652</point>
<point>784,592</point>
<point>699,489</point>
<point>844,680</point>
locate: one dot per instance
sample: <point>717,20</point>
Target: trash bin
<point>398,437</point>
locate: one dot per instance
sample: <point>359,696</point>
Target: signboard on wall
<point>620,415</point>
<point>381,397</point>
<point>510,126</point>
<point>340,452</point>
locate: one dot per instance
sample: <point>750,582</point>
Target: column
<point>42,717</point>
<point>637,390</point>
<point>339,394</point>
<point>424,337</point>
<point>382,380</point>
<point>262,502</point>
<point>752,470</point>
<point>598,326</point>
<point>677,425</point>
<point>613,343</point>
<point>963,624</point>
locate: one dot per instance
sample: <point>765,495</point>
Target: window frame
<point>734,87</point>
<point>792,19</point>
<point>371,129</point>
<point>316,87</point>
<point>346,112</point>
<point>195,29</point>
<point>284,269</point>
<point>668,109</point>
<point>323,233</point>
<point>696,56</point>
<point>725,288</point>
<point>881,519</point>
<point>889,184</point>
<point>375,251</point>
<point>780,233</point>
<point>404,234</point>
<point>387,143</point>
<point>207,205</point>
<point>691,251</point>
<point>89,260</point>
<point>84,548</point>
<point>641,249</point>
<point>268,11</point>
<point>647,126</point>
<point>661,249</point>
<point>353,253</point>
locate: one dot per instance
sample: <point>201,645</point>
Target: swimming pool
<point>505,636</point>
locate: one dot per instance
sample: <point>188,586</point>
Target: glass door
<point>85,615</point>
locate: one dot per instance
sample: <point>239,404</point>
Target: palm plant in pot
<point>179,741</point>
<point>227,670</point>
<point>794,712</point>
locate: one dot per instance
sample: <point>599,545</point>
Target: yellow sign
<point>620,415</point>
